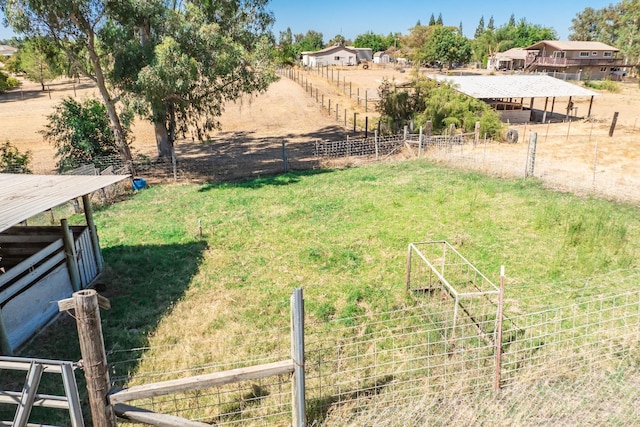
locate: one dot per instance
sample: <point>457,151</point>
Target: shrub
<point>81,133</point>
<point>606,84</point>
<point>7,83</point>
<point>12,160</point>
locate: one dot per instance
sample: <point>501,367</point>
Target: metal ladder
<point>28,397</point>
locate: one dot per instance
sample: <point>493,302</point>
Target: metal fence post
<point>375,140</point>
<point>285,163</point>
<point>496,385</point>
<point>299,416</point>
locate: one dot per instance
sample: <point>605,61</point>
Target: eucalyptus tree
<point>188,59</point>
<point>73,26</point>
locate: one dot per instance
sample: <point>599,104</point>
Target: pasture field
<point>341,235</point>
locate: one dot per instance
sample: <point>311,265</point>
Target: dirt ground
<point>288,112</point>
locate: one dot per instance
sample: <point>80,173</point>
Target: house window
<point>584,54</point>
<point>604,69</point>
<point>558,54</point>
<point>336,58</point>
<point>607,54</point>
<point>594,53</point>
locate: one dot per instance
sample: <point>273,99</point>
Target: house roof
<point>515,86</point>
<point>6,50</point>
<point>513,53</point>
<point>24,195</point>
<point>329,50</point>
<point>572,45</point>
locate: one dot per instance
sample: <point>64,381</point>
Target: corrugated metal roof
<point>572,45</point>
<point>514,86</point>
<point>23,196</point>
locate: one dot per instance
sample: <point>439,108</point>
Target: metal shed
<point>511,90</point>
<point>40,265</point>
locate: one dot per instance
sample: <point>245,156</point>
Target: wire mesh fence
<point>577,363</point>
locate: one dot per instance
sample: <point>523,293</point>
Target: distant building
<point>336,55</point>
<point>6,51</point>
<point>512,59</point>
<point>381,58</point>
<point>590,59</point>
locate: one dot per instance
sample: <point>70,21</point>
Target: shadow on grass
<point>318,409</point>
<point>275,180</point>
<point>142,283</point>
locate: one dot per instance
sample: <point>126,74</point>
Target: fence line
<point>362,366</point>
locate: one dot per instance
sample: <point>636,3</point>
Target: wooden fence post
<point>94,359</point>
<point>420,143</point>
<point>298,410</point>
<point>375,140</point>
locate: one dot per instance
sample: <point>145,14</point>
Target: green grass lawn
<point>204,262</point>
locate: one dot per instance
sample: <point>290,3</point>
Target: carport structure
<point>507,94</point>
<point>40,265</point>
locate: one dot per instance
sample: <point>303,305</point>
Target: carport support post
<point>544,113</point>
<point>590,105</point>
<point>93,232</point>
<point>70,254</point>
<point>94,359</point>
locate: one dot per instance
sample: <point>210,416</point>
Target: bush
<point>7,83</point>
<point>438,103</point>
<point>12,160</point>
<point>82,134</point>
<point>606,84</point>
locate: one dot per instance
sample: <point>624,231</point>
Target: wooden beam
<point>202,381</point>
<point>68,304</point>
<point>152,418</point>
<point>590,105</point>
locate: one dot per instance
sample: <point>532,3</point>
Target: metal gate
<point>29,397</point>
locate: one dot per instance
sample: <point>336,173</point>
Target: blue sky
<point>350,18</point>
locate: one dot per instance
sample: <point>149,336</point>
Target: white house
<point>334,55</point>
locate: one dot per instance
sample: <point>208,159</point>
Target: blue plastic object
<point>139,183</point>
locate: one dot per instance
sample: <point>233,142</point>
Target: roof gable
<point>332,49</point>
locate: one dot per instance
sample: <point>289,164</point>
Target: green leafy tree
<point>81,133</point>
<point>74,26</point>
<point>40,60</point>
<point>491,25</point>
<point>309,42</point>
<point>375,42</point>
<point>339,40</point>
<point>7,83</point>
<point>441,104</point>
<point>444,45</point>
<point>286,54</point>
<point>588,25</point>
<point>12,160</point>
<point>188,60</point>
<point>479,28</point>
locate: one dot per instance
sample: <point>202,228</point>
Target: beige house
<point>593,60</point>
<point>512,59</point>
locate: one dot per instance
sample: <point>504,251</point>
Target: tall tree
<point>439,20</point>
<point>375,42</point>
<point>74,26</point>
<point>309,42</point>
<point>189,60</point>
<point>491,25</point>
<point>40,60</point>
<point>480,28</point>
<point>432,20</point>
<point>512,21</point>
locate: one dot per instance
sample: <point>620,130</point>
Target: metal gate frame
<point>28,397</point>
